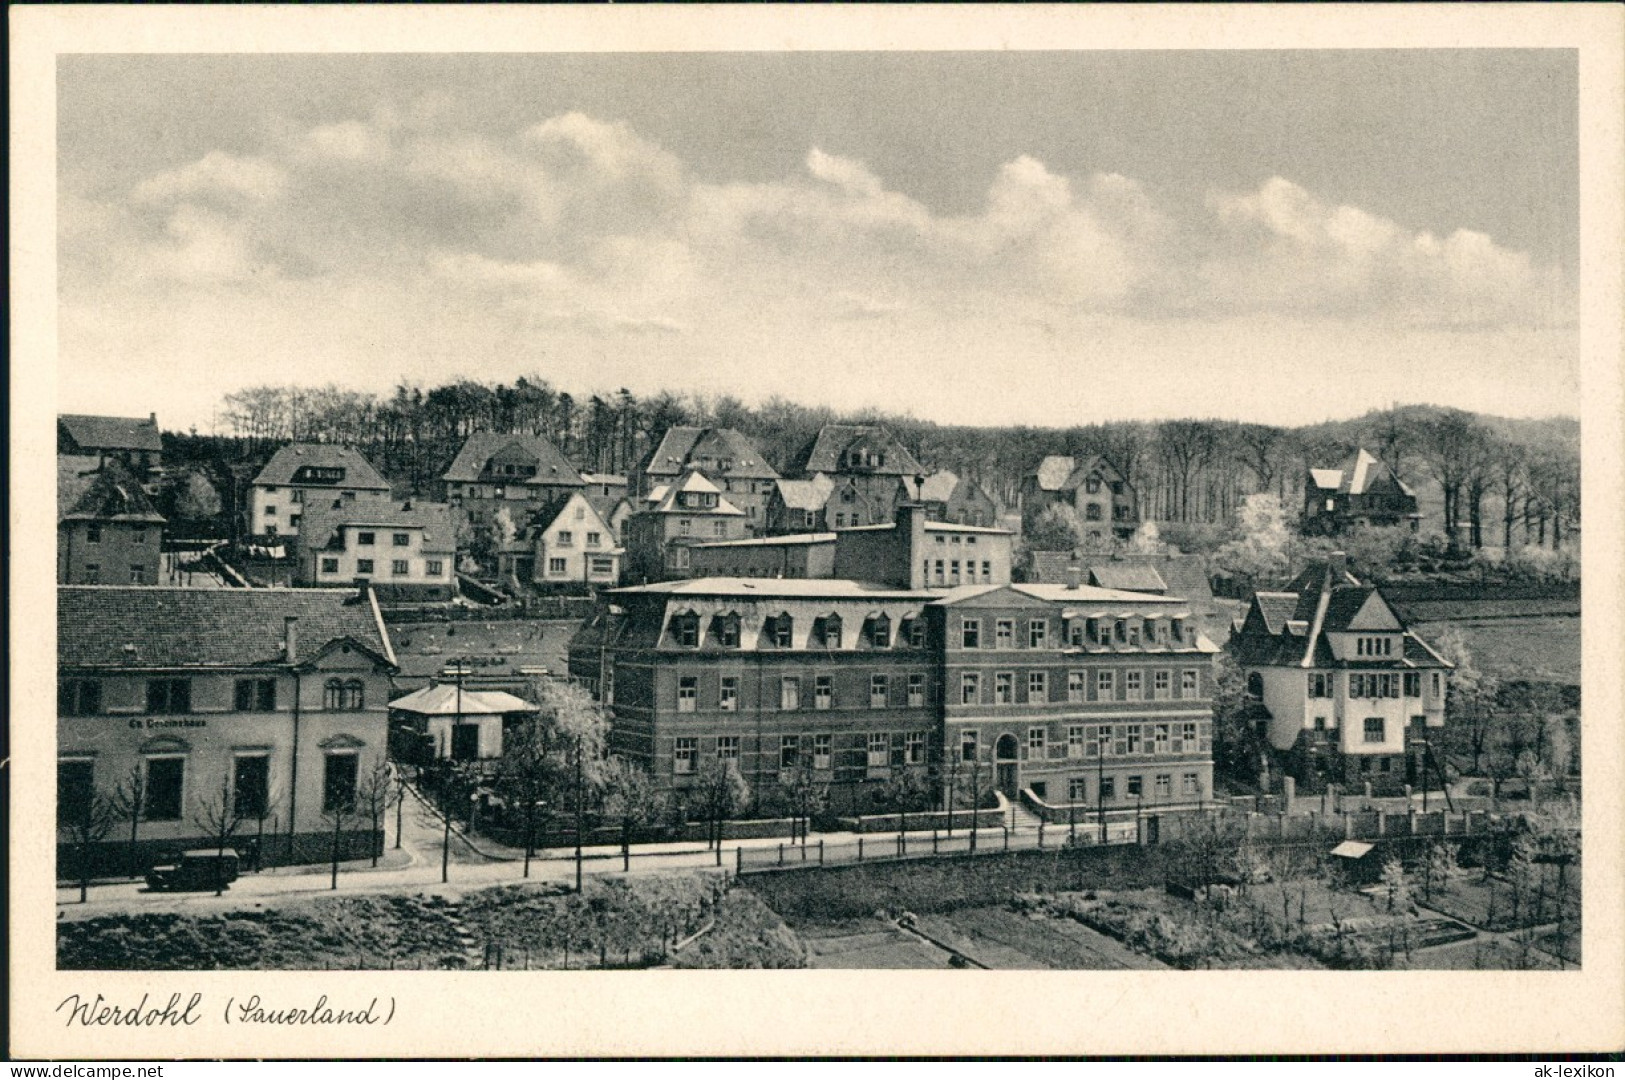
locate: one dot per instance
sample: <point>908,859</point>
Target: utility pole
<point>578,813</point>
<point>1100,778</point>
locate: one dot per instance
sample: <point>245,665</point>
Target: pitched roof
<point>1089,594</point>
<point>201,628</point>
<point>611,479</point>
<point>828,451</point>
<point>322,519</point>
<point>806,494</point>
<point>776,588</point>
<point>107,494</point>
<point>446,699</point>
<point>788,540</point>
<point>1053,472</point>
<point>1357,476</point>
<point>693,481</point>
<point>939,486</point>
<point>551,466</point>
<point>1134,577</point>
<point>358,471</point>
<point>683,447</point>
<point>112,432</point>
<point>1276,608</point>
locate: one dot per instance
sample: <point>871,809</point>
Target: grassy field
<point>1540,649</point>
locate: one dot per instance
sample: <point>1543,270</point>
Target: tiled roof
<point>806,494</point>
<point>667,458</point>
<point>1134,577</point>
<point>112,432</point>
<point>108,494</point>
<point>322,518</point>
<point>1276,608</point>
<point>1346,602</point>
<point>939,487</point>
<point>358,471</point>
<point>551,466</point>
<point>828,450</point>
<point>790,540</point>
<point>1053,471</point>
<point>681,447</point>
<point>199,628</point>
<point>780,588</point>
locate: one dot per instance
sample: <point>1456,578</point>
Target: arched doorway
<point>1006,758</point>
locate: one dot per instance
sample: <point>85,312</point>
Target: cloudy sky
<point>1044,238</point>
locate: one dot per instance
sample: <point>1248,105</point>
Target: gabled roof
<point>358,471</point>
<point>112,432</point>
<point>1133,577</point>
<point>809,495</point>
<point>1092,466</point>
<point>828,450</point>
<point>680,447</point>
<point>446,699</point>
<point>551,466</point>
<point>108,494</point>
<point>939,487</point>
<point>776,588</point>
<point>1275,608</point>
<point>1358,475</point>
<point>203,628</point>
<point>322,519</point>
<point>1289,629</point>
<point>693,481</point>
<point>548,514</point>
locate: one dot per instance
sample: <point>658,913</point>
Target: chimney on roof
<point>290,639</point>
<point>152,418</point>
<point>1338,563</point>
<point>1074,576</point>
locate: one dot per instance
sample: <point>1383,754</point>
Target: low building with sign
<point>180,706</point>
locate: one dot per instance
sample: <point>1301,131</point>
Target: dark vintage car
<point>192,870</point>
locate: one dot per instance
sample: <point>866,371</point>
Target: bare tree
<point>87,823</point>
<point>372,796</point>
<point>339,808</point>
<point>632,800</point>
<point>525,775</point>
<point>130,803</point>
<point>806,795</point>
<point>218,817</point>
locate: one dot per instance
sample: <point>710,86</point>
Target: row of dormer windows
<point>778,631</point>
<point>1035,634</point>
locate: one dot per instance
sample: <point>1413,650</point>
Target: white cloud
<point>217,174</point>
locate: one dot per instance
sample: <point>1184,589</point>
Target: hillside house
<point>1363,492</point>
<point>310,472</point>
<point>723,456</point>
<point>107,532</point>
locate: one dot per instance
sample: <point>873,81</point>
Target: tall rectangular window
<point>967,745</point>
<point>1077,791</point>
<point>1035,742</point>
<point>1004,634</point>
<point>1037,687</point>
<point>1413,684</point>
<point>169,696</point>
<point>789,751</point>
<point>1132,736</point>
<point>789,693</point>
<point>1133,685</point>
<point>400,567</point>
<point>970,688</point>
<point>251,785</point>
<point>1037,633</point>
<point>339,773</point>
<point>1161,685</point>
<point>877,691</point>
<point>1106,685</point>
<point>1189,683</point>
<point>1165,785</point>
<point>256,695</point>
<point>1075,740</point>
<point>823,691</point>
<point>879,751</point>
<point>728,701</point>
<point>1374,729</point>
<point>1190,784</point>
<point>75,790</point>
<point>1161,734</point>
<point>970,634</point>
<point>728,748</point>
<point>823,751</point>
<point>916,691</point>
<point>1136,787</point>
<point>914,748</point>
<point>1004,688</point>
<point>682,755</point>
<point>1074,686</point>
<point>688,693</point>
<point>166,782</point>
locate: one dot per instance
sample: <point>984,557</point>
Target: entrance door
<point>465,742</point>
<point>1005,755</point>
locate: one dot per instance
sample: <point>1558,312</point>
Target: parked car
<point>194,870</point>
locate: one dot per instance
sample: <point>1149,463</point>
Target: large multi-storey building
<point>265,707</point>
<point>723,456</point>
<point>1069,694</point>
<point>309,471</point>
<point>518,473</point>
<point>1078,694</point>
<point>1350,691</point>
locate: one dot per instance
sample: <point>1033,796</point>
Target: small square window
<point>365,538</point>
